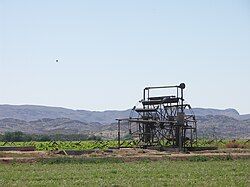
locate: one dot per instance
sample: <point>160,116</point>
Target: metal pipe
<point>144,94</point>
<point>119,134</point>
<point>182,106</point>
<point>158,87</point>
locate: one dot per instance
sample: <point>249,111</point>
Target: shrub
<point>234,144</point>
<point>198,159</point>
<point>75,160</point>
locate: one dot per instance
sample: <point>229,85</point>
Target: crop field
<point>124,167</point>
<point>87,145</point>
<point>143,173</point>
<point>64,145</point>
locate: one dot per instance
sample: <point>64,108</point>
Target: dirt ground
<point>125,154</point>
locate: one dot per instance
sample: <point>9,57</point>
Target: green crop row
<point>64,145</point>
<point>88,145</point>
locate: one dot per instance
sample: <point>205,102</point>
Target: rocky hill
<point>34,112</point>
<point>219,126</point>
<point>47,126</point>
<point>54,120</point>
<point>209,126</point>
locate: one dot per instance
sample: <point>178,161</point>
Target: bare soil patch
<point>124,154</point>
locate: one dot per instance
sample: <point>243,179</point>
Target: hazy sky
<point>108,51</point>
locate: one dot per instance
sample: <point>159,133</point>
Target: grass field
<point>143,173</point>
<point>86,145</point>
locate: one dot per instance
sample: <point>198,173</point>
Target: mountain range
<point>36,112</point>
<point>35,119</point>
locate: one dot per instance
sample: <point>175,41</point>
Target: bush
<point>234,144</point>
<point>19,136</point>
<point>198,159</point>
<point>93,137</point>
<point>15,137</point>
<point>75,160</point>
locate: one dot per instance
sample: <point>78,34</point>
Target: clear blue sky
<point>109,51</point>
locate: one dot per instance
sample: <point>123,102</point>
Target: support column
<point>119,134</point>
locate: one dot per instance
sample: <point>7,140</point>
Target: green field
<point>143,173</point>
<point>86,145</point>
<point>64,145</point>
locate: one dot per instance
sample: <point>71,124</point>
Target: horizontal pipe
<point>158,87</point>
<point>122,119</point>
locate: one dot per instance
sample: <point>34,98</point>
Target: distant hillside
<point>32,112</point>
<point>47,126</point>
<point>222,127</point>
<point>207,126</point>
<point>54,120</point>
<point>208,111</point>
<point>245,117</point>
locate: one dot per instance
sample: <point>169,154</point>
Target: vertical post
<point>184,137</point>
<point>144,94</point>
<point>119,133</point>
<point>182,107</point>
<point>196,141</point>
<point>180,138</point>
<point>180,131</point>
<point>191,141</point>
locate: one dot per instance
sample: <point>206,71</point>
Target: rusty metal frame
<point>162,119</point>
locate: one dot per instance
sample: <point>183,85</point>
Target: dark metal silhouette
<point>160,120</point>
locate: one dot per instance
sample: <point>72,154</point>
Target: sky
<point>108,51</point>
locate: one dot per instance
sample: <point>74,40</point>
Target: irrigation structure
<point>164,120</point>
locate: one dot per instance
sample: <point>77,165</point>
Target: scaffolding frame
<point>164,121</point>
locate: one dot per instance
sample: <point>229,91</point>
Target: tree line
<point>19,136</point>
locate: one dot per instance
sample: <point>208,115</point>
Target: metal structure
<point>160,120</point>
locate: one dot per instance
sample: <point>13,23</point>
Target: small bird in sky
<point>57,60</point>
